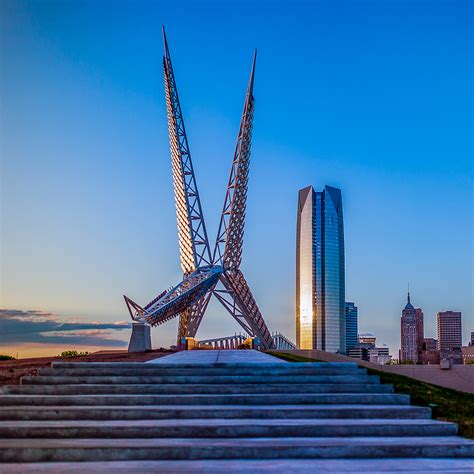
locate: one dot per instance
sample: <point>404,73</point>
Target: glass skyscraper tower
<point>320,279</point>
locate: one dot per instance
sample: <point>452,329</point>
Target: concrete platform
<point>218,357</point>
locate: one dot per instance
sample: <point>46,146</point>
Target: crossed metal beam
<point>206,274</point>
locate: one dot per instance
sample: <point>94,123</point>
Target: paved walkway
<point>218,357</point>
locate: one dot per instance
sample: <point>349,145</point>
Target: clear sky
<point>373,97</point>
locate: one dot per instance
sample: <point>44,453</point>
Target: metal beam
<point>192,235</point>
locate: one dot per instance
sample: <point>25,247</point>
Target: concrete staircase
<point>167,412</point>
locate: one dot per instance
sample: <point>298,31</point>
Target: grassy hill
<point>446,404</point>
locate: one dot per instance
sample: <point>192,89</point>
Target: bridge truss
<point>206,273</point>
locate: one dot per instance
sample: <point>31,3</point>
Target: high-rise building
<point>449,330</point>
<point>408,334</point>
<point>320,281</point>
<point>351,325</point>
<point>472,339</point>
<point>420,333</point>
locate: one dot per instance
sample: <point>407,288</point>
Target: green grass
<point>291,357</point>
<point>446,404</point>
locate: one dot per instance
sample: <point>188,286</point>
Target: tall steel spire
<point>205,276</point>
<point>192,234</point>
<point>228,249</point>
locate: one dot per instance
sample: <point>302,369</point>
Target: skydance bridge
<point>206,272</point>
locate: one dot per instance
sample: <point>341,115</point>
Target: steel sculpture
<point>205,273</point>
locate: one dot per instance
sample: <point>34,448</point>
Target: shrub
<point>72,353</point>
<point>6,357</point>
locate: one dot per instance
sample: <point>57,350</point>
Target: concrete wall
<point>458,377</point>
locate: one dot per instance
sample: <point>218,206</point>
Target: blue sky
<point>373,97</point>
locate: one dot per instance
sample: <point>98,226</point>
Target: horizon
<point>367,97</point>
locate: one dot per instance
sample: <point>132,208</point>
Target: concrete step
<point>200,379</point>
<point>184,389</point>
<point>156,370</point>
<point>99,449</point>
<point>214,411</point>
<point>236,365</point>
<point>229,428</point>
<point>237,466</point>
<point>243,399</point>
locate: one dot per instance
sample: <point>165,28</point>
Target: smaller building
<point>367,351</point>
<point>449,330</point>
<point>360,351</point>
<point>429,351</point>
<point>472,339</point>
<point>468,354</point>
<point>430,344</point>
<point>454,355</point>
<point>367,338</point>
<point>430,357</point>
<point>380,355</point>
<point>351,325</point>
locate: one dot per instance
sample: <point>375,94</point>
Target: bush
<point>72,354</point>
<point>5,357</point>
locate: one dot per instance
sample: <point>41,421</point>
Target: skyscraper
<point>320,279</point>
<point>449,330</point>
<point>408,334</point>
<point>351,325</point>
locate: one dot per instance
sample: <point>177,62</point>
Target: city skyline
<point>85,88</point>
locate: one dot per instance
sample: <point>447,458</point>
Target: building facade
<point>367,338</point>
<point>320,272</point>
<point>468,354</point>
<point>429,351</point>
<point>351,325</point>
<point>449,330</point>
<point>420,331</point>
<point>408,334</point>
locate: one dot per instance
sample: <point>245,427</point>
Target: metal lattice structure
<point>206,274</point>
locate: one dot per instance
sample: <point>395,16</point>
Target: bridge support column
<point>140,340</point>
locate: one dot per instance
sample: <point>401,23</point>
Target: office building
<point>429,351</point>
<point>449,330</point>
<point>430,344</point>
<point>420,332</point>
<point>367,350</point>
<point>351,325</point>
<point>408,334</point>
<point>380,355</point>
<point>320,280</point>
